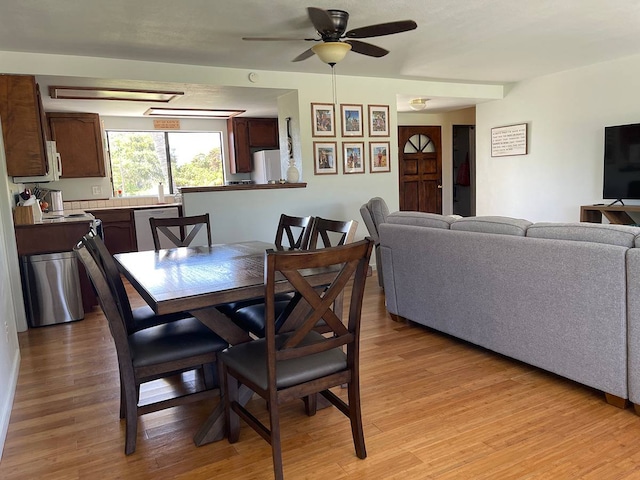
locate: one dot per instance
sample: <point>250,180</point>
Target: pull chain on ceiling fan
<point>331,26</point>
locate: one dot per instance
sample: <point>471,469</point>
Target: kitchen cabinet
<point>78,138</point>
<point>247,135</point>
<point>119,229</point>
<point>23,126</point>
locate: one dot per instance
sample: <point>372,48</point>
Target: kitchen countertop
<point>65,216</point>
<point>134,207</point>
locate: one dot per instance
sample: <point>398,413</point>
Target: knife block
<point>23,215</point>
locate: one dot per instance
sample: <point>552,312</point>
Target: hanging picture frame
<point>378,120</point>
<point>352,157</point>
<point>351,120</point>
<point>509,141</point>
<point>323,120</point>
<point>324,158</point>
<point>379,157</point>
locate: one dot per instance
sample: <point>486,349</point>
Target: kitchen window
<point>141,160</point>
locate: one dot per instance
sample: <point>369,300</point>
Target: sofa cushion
<point>489,224</point>
<point>421,219</point>
<point>620,235</point>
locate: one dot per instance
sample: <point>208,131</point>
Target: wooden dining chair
<point>330,233</point>
<point>135,318</point>
<point>299,362</point>
<point>151,353</point>
<point>323,231</point>
<point>168,227</point>
<point>296,230</point>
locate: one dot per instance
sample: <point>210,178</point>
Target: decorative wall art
<point>324,155</point>
<point>323,120</point>
<point>353,157</point>
<point>378,120</point>
<point>509,140</point>
<point>351,118</point>
<point>379,157</point>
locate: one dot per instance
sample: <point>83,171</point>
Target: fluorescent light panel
<point>123,94</point>
<point>192,112</point>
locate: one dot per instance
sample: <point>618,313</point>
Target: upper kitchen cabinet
<point>23,126</point>
<point>78,138</point>
<point>247,135</point>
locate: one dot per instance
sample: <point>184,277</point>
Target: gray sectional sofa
<point>562,297</point>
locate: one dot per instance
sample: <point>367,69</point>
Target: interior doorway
<point>420,168</point>
<point>464,170</point>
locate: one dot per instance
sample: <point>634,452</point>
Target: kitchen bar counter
<point>253,186</point>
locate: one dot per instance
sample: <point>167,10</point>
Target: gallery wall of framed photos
<point>352,152</point>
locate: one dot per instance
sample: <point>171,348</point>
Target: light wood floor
<point>433,408</point>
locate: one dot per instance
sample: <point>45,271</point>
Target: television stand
<point>617,214</point>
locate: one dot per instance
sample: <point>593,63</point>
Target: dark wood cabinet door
<point>78,138</point>
<point>119,229</point>
<point>240,153</point>
<point>20,112</point>
<point>119,237</point>
<point>263,133</point>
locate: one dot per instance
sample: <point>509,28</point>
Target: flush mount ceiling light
<point>331,52</point>
<point>123,94</point>
<point>418,104</point>
<point>192,112</point>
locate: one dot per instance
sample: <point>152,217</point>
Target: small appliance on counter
<point>55,201</point>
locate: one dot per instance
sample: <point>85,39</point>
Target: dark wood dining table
<point>196,279</point>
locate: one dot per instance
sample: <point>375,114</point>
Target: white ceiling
<point>494,41</point>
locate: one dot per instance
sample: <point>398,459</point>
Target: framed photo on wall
<point>323,120</point>
<point>351,118</point>
<point>353,157</point>
<point>379,157</point>
<point>378,120</point>
<point>324,158</point>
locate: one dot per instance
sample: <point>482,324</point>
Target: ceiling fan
<point>331,26</point>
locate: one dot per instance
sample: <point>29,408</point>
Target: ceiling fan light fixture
<point>331,52</point>
<point>418,104</point>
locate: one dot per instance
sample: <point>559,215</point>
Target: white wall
<point>566,113</point>
<point>11,303</point>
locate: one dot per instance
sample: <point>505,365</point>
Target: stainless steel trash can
<point>52,289</point>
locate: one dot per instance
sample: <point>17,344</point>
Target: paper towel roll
<point>160,193</point>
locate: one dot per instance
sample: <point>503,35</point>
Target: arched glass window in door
<point>419,143</point>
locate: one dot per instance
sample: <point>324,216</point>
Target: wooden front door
<point>420,169</point>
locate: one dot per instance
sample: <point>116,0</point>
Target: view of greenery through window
<point>139,161</point>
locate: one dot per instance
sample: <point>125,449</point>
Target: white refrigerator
<point>266,166</point>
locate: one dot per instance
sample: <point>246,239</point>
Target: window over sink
<point>140,160</point>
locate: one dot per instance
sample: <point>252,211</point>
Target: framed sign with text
<point>509,140</point>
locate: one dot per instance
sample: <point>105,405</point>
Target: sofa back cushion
<point>420,219</point>
<point>492,224</point>
<point>620,235</point>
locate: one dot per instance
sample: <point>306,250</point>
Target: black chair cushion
<point>251,318</point>
<point>173,341</point>
<point>145,317</point>
<point>249,360</point>
<point>231,307</point>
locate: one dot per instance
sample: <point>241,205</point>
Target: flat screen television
<point>622,162</point>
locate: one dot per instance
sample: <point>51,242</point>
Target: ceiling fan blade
<point>367,48</point>
<point>279,39</point>
<point>382,29</point>
<point>321,20</point>
<point>304,55</point>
